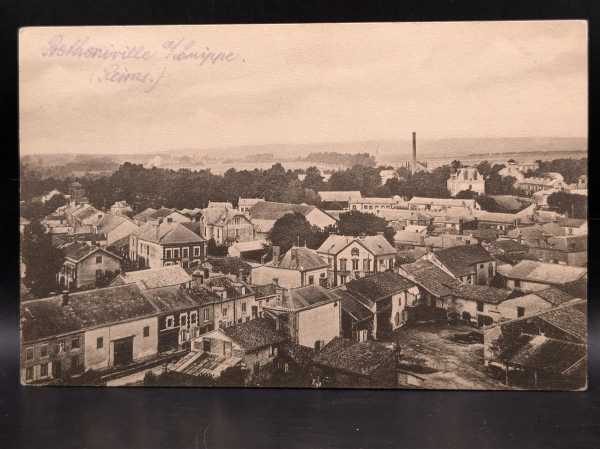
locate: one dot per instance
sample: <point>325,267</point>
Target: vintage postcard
<point>353,205</point>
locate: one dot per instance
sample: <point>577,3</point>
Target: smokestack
<point>414,153</point>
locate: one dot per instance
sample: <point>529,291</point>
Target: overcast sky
<point>300,84</point>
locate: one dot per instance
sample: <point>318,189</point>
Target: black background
<point>236,418</point>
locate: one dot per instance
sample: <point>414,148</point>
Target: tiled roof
<point>85,212</point>
<point>300,259</point>
<point>301,297</point>
<point>554,296</point>
<point>233,289</point>
<point>173,298</point>
<point>548,273</point>
<point>568,318</point>
<point>376,244</point>
<point>145,214</point>
<point>432,278</point>
<point>268,210</point>
<point>194,226</point>
<point>110,222</point>
<point>482,234</point>
<point>542,352</point>
<point>358,358</point>
<point>351,305</point>
<point>218,216</point>
<point>161,213</point>
<point>302,355</point>
<point>481,293</point>
<point>77,251</point>
<point>47,317</point>
<point>255,334</point>
<point>379,285</point>
<point>460,260</point>
<point>168,234</point>
<point>572,222</point>
<point>156,277</point>
<point>229,265</point>
<point>509,246</point>
<point>497,217</point>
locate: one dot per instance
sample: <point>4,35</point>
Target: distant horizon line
<point>408,139</point>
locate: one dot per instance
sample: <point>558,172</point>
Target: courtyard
<point>433,353</point>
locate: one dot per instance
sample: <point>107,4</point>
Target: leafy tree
<point>313,179</point>
<point>500,185</point>
<point>42,259</point>
<point>575,206</point>
<point>466,195</point>
<point>294,229</point>
<point>357,223</point>
<point>365,179</point>
<point>570,169</point>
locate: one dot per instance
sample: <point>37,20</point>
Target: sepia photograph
<point>399,205</point>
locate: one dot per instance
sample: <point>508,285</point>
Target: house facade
<point>354,257</point>
<point>466,179</point>
<point>86,266</point>
<point>388,296</point>
<point>102,329</point>
<point>299,267</point>
<point>226,225</point>
<point>309,315</point>
<point>157,245</point>
<point>471,264</point>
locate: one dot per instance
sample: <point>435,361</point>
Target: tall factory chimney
<point>413,166</point>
